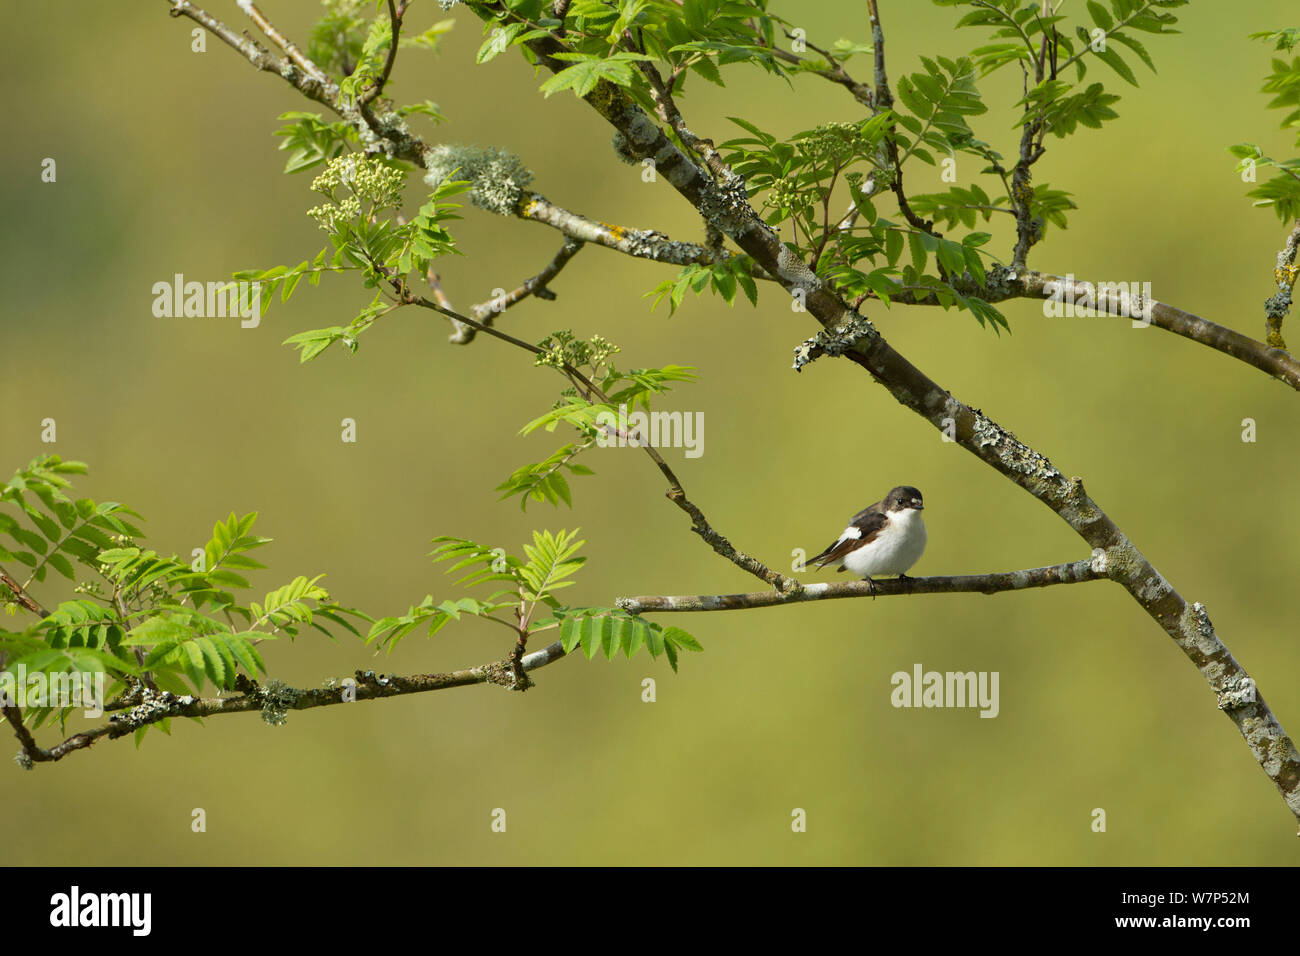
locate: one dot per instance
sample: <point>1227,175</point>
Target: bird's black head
<point>902,498</point>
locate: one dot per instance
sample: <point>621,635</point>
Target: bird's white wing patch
<point>852,531</point>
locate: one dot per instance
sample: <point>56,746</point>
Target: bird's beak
<point>917,505</point>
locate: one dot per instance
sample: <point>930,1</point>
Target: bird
<point>887,537</point>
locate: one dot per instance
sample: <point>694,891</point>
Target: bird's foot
<point>872,587</point>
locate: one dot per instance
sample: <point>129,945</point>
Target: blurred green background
<point>166,164</point>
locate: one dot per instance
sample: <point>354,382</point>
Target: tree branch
<point>834,71</point>
<point>1074,572</point>
<point>24,599</point>
<point>1028,232</point>
<point>486,312</point>
<point>1005,284</point>
<point>284,43</point>
<point>666,109</point>
<point>884,100</point>
<point>274,700</point>
<point>1277,363</point>
<point>304,81</point>
<point>638,243</point>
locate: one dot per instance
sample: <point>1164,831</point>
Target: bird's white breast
<point>898,546</point>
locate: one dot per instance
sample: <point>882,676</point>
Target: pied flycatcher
<point>885,538</point>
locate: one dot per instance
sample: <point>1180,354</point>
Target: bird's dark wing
<point>868,523</point>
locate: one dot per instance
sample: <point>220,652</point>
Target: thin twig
<point>458,331</point>
<point>834,71</point>
<point>666,109</point>
<point>284,43</point>
<point>395,12</point>
<point>884,100</point>
<point>486,312</point>
<point>1074,572</point>
<point>1028,233</point>
<point>21,596</point>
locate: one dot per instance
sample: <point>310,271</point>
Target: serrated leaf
<point>608,637</point>
<point>61,564</point>
<point>1116,63</point>
<point>1100,15</point>
<point>679,637</point>
<point>588,637</point>
<point>917,249</point>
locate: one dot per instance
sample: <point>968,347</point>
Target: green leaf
<point>551,559</point>
<point>311,343</point>
<point>570,633</point>
<point>498,41</point>
<point>62,565</point>
<point>912,99</point>
<point>584,74</point>
<point>893,246</point>
<point>588,637</point>
<point>46,524</point>
<point>1100,15</point>
<point>1133,44</point>
<point>608,634</point>
<point>1116,63</point>
<point>246,654</point>
<point>213,665</point>
<point>917,248</point>
<point>677,636</point>
<point>635,636</point>
<point>952,257</point>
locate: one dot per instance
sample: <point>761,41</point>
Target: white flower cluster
<point>368,180</point>
<point>330,215</point>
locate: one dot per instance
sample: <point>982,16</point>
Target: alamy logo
<point>102,909</point>
<point>73,689</point>
<point>951,689</point>
<point>656,429</point>
<point>1066,298</point>
<point>208,300</point>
